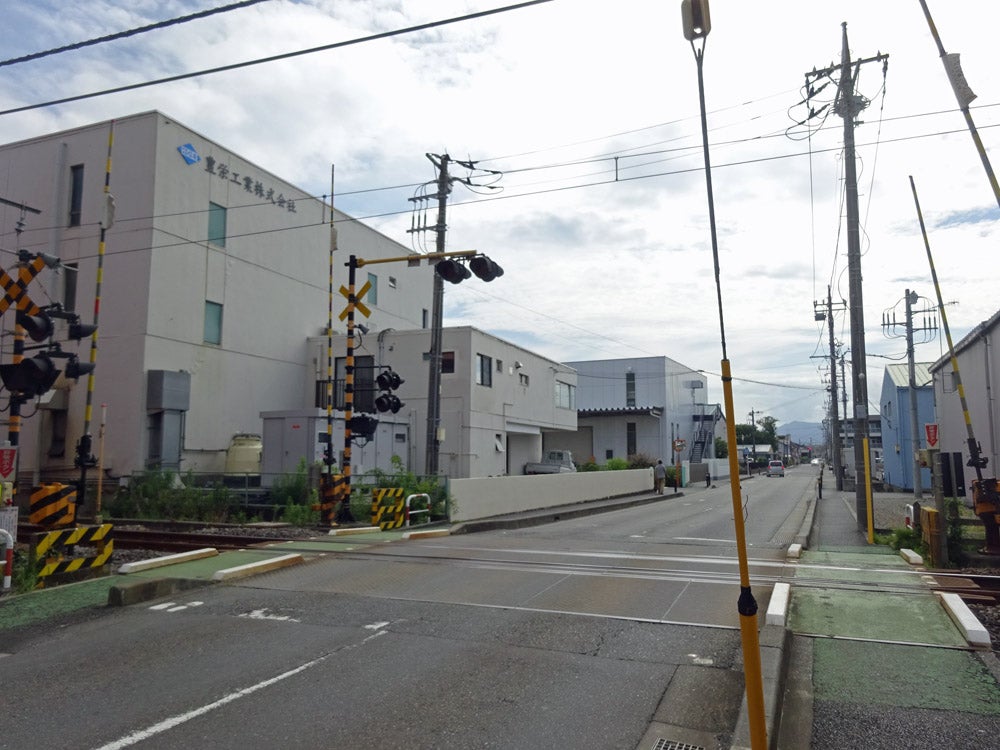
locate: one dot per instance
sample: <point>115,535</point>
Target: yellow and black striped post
<point>50,546</point>
<point>84,457</point>
<point>387,507</point>
<point>53,504</point>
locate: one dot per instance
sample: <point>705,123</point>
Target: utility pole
<point>433,442</point>
<point>834,414</point>
<point>443,182</point>
<point>889,324</point>
<point>848,105</point>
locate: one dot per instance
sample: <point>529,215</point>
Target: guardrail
<point>427,499</point>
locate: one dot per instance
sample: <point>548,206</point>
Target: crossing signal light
<point>75,368</point>
<point>388,402</point>
<point>362,426</point>
<point>30,377</point>
<point>484,268</point>
<point>388,381</point>
<point>78,331</point>
<point>38,327</point>
<point>452,270</point>
<point>457,272</point>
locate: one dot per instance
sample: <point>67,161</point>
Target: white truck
<point>554,462</point>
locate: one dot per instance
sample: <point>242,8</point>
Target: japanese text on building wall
<point>250,185</point>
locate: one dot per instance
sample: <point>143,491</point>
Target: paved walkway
<point>885,669</point>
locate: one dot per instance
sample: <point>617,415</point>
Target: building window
<point>629,389</point>
<point>423,318</point>
<point>392,282</point>
<point>213,322</point>
<point>522,378</point>
<point>75,195</point>
<point>630,445</point>
<point>565,395</point>
<point>447,362</point>
<point>216,224</point>
<point>69,271</point>
<point>364,384</point>
<point>499,365</point>
<point>484,370</point>
<point>372,297</point>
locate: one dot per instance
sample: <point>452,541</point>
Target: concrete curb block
<point>138,591</point>
<point>159,562</point>
<point>348,532</point>
<point>263,566</point>
<point>911,557</point>
<point>426,534</point>
<point>794,551</point>
<point>777,608</point>
<point>975,633</point>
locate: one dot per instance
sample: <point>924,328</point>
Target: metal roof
<point>900,374</point>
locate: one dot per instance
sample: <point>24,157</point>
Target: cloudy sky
<point>586,115</point>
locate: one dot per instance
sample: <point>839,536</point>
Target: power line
<point>130,32</point>
<point>275,58</point>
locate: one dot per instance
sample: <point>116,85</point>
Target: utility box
<point>291,436</point>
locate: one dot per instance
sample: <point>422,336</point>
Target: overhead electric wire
<point>275,58</point>
<point>130,32</point>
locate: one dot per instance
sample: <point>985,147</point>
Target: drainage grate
<point>662,744</point>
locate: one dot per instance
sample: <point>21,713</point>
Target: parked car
<point>554,462</point>
<point>775,469</point>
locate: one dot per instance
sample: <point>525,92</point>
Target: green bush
<point>616,464</point>
<point>300,515</point>
<point>590,465</point>
<point>410,483</point>
<point>640,461</point>
<point>292,489</point>
<point>160,493</point>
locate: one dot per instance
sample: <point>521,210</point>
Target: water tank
<point>243,455</point>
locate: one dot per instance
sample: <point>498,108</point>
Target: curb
<point>137,592</point>
<point>263,566</point>
<point>159,562</point>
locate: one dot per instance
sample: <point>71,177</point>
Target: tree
<point>721,448</point>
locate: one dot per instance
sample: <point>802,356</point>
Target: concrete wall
<point>483,497</point>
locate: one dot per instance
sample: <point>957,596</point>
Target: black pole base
<point>343,514</point>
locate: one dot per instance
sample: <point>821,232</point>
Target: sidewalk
<point>884,669</point>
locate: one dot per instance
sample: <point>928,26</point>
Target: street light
<point>697,23</point>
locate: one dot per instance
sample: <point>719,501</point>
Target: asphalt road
<point>571,634</point>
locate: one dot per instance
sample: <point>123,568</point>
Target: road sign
<point>932,434</point>
<point>8,460</point>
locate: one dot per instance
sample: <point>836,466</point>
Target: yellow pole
<point>746,605</point>
<point>696,26</point>
<point>868,493</point>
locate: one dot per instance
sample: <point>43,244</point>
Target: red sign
<point>8,459</point>
<point>932,434</point>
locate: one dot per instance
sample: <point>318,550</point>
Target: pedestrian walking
<point>708,479</point>
<point>659,477</point>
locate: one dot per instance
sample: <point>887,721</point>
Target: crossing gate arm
<point>409,512</point>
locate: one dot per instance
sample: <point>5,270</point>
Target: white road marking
<point>263,614</point>
<point>167,724</point>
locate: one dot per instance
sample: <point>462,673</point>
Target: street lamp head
<point>696,19</point>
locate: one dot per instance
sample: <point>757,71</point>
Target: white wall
<point>492,496</point>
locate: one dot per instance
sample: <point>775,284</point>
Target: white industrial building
<point>642,406</point>
<point>213,312</point>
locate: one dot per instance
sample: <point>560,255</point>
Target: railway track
<point>173,537</point>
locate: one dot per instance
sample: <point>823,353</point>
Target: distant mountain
<point>803,433</point>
